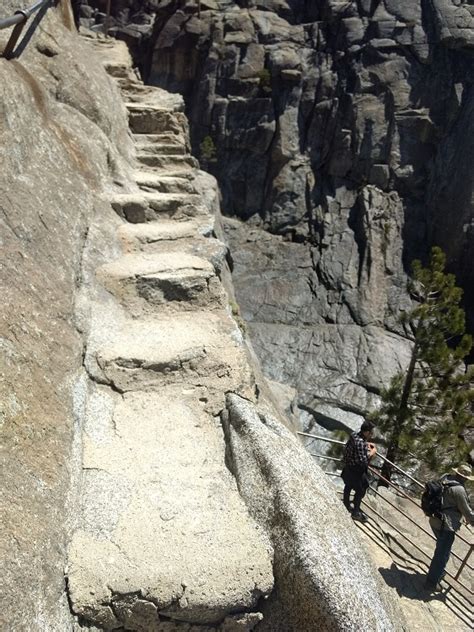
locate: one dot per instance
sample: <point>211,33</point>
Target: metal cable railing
<point>18,20</point>
<point>464,560</point>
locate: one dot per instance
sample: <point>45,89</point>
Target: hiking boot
<point>359,516</point>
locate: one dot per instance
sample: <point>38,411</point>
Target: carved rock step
<point>137,236</point>
<point>171,171</point>
<point>167,161</point>
<point>199,348</point>
<point>145,119</point>
<point>169,281</point>
<point>163,530</point>
<point>115,56</point>
<point>181,183</point>
<point>136,92</point>
<point>161,149</point>
<point>147,206</point>
<point>160,236</point>
<point>164,137</point>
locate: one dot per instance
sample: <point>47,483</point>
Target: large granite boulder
<point>310,531</point>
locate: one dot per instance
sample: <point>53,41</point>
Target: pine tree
<point>425,409</point>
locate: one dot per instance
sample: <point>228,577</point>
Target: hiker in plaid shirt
<point>357,454</point>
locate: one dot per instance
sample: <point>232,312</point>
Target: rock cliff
<point>63,137</point>
<point>341,133</point>
<point>148,481</point>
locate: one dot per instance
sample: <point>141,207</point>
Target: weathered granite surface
<point>167,538</point>
<point>283,487</point>
<point>119,349</point>
<point>62,126</point>
<point>346,129</point>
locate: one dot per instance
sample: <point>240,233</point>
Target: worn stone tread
<point>161,149</point>
<point>165,530</point>
<point>183,182</point>
<point>165,281</point>
<point>197,348</point>
<point>150,159</point>
<point>165,230</point>
<point>145,206</point>
<point>158,138</point>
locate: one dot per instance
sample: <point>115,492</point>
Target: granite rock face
<point>309,547</point>
<point>339,128</point>
<point>61,122</point>
<point>130,21</point>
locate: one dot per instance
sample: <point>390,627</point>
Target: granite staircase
<point>164,541</point>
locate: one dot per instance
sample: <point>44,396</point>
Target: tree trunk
<point>392,455</point>
<point>400,419</point>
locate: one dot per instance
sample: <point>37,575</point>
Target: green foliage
<point>425,409</point>
<point>336,450</point>
<point>265,79</point>
<point>208,149</point>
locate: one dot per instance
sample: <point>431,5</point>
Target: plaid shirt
<point>356,450</point>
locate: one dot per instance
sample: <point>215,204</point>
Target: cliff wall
<point>63,138</point>
<point>148,481</point>
<point>341,133</point>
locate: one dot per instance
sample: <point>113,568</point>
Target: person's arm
<point>463,504</point>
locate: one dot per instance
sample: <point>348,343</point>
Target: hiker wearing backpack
<point>453,505</point>
<point>357,454</point>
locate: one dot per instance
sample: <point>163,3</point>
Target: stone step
<point>163,529</point>
<point>170,171</point>
<point>137,236</point>
<point>170,161</point>
<point>147,206</point>
<point>160,149</point>
<point>115,56</point>
<point>160,236</point>
<point>199,348</point>
<point>165,137</point>
<point>136,93</point>
<point>165,281</point>
<point>152,181</point>
<point>145,119</point>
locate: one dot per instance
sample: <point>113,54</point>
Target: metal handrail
<point>380,456</point>
<point>464,561</point>
<point>19,19</point>
<point>386,481</point>
<point>447,573</point>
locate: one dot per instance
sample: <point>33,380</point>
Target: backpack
<point>432,499</point>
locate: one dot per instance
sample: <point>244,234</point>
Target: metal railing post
<point>18,21</point>
<point>464,562</point>
<point>10,47</point>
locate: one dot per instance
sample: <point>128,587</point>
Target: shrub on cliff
<point>208,149</point>
<point>425,409</point>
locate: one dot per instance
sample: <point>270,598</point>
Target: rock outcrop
<point>63,137</point>
<point>120,354</point>
<point>163,535</point>
<point>167,539</point>
<point>282,486</point>
<point>343,129</point>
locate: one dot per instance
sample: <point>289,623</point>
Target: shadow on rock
<point>409,584</point>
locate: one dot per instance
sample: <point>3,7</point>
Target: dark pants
<point>355,479</point>
<point>444,542</point>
